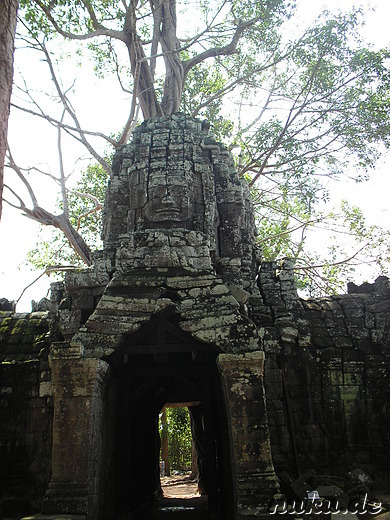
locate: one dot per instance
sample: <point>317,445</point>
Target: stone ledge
<point>55,517</point>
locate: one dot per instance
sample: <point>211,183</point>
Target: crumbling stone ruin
<point>178,308</point>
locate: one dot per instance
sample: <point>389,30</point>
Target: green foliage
<point>296,106</point>
<point>179,438</point>
<point>93,182</point>
<point>313,115</point>
<point>203,83</point>
<point>71,15</point>
<point>52,246</point>
<point>353,246</point>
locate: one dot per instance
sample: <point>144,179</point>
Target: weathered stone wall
<point>327,377</point>
<point>25,412</point>
<point>179,249</point>
<point>326,371</point>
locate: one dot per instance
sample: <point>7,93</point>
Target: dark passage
<point>162,365</point>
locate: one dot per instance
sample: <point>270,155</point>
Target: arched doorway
<point>161,364</point>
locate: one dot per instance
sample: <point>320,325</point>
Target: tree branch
<point>62,173</point>
<point>226,50</point>
<point>86,213</point>
<point>12,164</point>
<point>65,126</point>
<point>61,222</point>
<point>333,264</point>
<point>29,285</point>
<point>21,202</point>
<point>67,106</point>
<point>290,119</point>
<point>230,87</point>
<point>46,218</point>
<point>99,30</point>
<point>131,122</point>
<point>146,91</point>
<point>288,231</point>
<point>92,14</point>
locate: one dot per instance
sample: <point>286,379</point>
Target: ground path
<point>181,501</point>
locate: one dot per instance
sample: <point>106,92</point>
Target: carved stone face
<point>169,199</point>
<point>174,176</point>
<point>166,199</point>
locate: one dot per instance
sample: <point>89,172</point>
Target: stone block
<point>273,375</point>
<point>343,342</point>
<point>321,339</point>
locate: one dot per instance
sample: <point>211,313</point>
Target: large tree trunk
<point>8,13</point>
<point>140,69</point>
<point>164,444</point>
<point>143,81</point>
<point>61,222</point>
<point>174,77</point>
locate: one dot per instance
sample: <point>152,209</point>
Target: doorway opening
<point>162,368</point>
<point>178,456</point>
<point>179,474</point>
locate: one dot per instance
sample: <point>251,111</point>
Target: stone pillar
<point>256,483</point>
<point>79,393</point>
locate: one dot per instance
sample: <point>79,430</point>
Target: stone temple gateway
<point>178,266</point>
<point>178,308</point>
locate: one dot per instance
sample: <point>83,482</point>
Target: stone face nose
<point>167,200</point>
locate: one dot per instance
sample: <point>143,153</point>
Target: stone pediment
<point>203,307</point>
<point>160,336</point>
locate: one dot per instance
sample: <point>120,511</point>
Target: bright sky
<point>18,234</point>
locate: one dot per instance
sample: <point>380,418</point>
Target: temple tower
<point>163,316</point>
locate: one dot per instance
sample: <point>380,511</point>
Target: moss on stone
<point>23,337</point>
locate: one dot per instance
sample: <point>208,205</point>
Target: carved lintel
<point>236,363</point>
